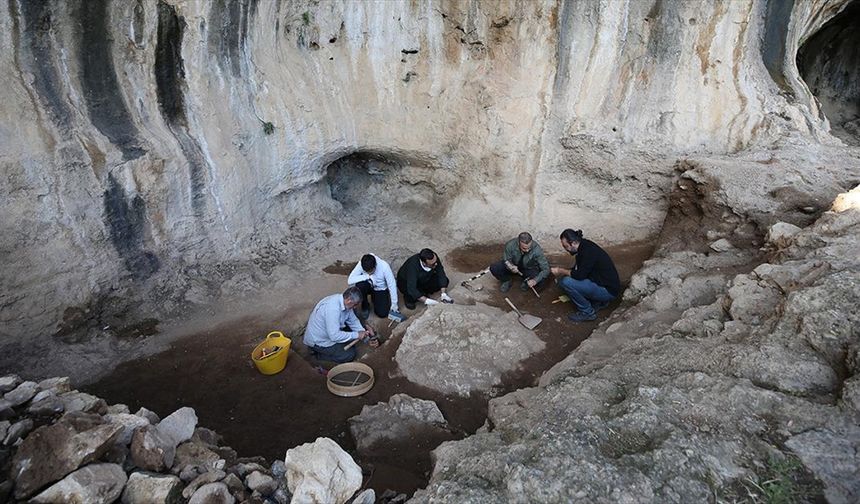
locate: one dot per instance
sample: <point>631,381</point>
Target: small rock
<point>722,245</point>
<point>9,382</point>
<point>194,454</point>
<point>179,425</point>
<point>43,394</point>
<point>260,482</point>
<point>206,436</point>
<point>188,473</point>
<point>233,482</point>
<point>321,472</point>
<point>149,415</point>
<point>243,469</point>
<point>151,488</point>
<point>781,233</point>
<point>151,450</point>
<point>96,484</point>
<point>366,497</point>
<point>18,430</point>
<point>22,393</point>
<point>282,496</point>
<point>47,407</point>
<point>80,401</point>
<point>4,428</point>
<point>203,479</point>
<point>212,493</point>
<point>58,385</point>
<point>129,424</point>
<point>118,409</point>
<point>279,469</point>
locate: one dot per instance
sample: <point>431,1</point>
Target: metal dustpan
<point>528,321</point>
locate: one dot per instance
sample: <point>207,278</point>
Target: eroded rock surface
<point>395,421</point>
<point>474,345</point>
<point>321,472</point>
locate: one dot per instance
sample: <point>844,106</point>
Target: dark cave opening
<point>829,62</point>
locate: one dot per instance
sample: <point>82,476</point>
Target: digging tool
<point>536,292</point>
<point>528,321</point>
<point>466,283</point>
<point>561,299</point>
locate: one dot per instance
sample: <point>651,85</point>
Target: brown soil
<point>212,372</point>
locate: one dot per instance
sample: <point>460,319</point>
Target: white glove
<point>446,298</point>
<point>430,302</point>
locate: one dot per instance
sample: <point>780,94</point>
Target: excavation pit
<point>266,415</point>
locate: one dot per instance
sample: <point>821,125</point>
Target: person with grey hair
<point>333,324</point>
<point>523,256</point>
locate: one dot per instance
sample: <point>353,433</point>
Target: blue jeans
<point>583,292</point>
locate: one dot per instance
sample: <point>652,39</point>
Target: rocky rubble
<point>80,449</point>
<point>728,374</point>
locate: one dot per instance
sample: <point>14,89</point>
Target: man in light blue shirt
<point>333,324</point>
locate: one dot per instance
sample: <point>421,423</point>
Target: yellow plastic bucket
<point>271,363</point>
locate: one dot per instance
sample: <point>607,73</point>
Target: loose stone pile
<point>62,445</point>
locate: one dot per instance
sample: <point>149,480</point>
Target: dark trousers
<point>432,284</point>
<point>381,299</point>
<point>500,271</point>
<point>335,353</point>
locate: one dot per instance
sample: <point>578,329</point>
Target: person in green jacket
<point>523,256</point>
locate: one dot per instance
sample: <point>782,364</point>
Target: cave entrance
<point>829,62</point>
<point>381,189</point>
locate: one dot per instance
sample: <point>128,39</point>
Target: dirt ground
<point>212,372</point>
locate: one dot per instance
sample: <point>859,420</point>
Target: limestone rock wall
<point>139,138</point>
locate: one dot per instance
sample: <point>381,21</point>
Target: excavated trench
<point>266,415</point>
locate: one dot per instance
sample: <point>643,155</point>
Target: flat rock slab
<point>394,421</point>
<point>51,452</point>
<point>93,484</point>
<point>151,488</point>
<point>463,349</point>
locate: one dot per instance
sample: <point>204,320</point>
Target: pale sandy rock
<point>463,349</point>
<point>151,450</point>
<point>260,482</point>
<point>395,420</point>
<point>58,385</point>
<point>722,245</point>
<point>179,425</point>
<point>780,233</point>
<point>151,488</point>
<point>321,472</point>
<point>212,493</point>
<point>203,479</point>
<point>128,422</point>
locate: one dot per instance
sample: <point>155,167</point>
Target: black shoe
<point>409,305</point>
<point>582,317</point>
<point>506,286</point>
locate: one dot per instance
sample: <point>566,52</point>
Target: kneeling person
<point>592,282</point>
<point>523,256</point>
<point>332,325</point>
<point>420,276</point>
<point>374,278</point>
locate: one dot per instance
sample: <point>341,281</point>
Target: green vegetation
<point>306,18</point>
<point>268,128</point>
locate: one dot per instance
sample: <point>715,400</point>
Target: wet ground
<point>212,372</point>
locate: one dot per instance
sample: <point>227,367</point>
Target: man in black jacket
<point>420,276</point>
<point>592,282</point>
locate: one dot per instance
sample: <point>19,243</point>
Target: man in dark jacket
<point>523,256</point>
<point>420,276</point>
<point>592,282</point>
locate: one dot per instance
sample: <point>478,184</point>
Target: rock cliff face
<point>154,152</point>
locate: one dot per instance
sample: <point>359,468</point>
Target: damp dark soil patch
<point>340,268</point>
<point>211,371</point>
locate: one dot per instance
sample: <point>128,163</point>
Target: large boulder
<point>151,488</point>
<point>463,349</point>
<point>398,419</point>
<point>321,473</point>
<point>93,484</point>
<point>51,452</point>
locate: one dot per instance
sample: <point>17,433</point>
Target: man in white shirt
<point>333,324</point>
<point>374,278</point>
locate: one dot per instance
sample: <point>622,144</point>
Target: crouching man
<point>374,279</point>
<point>420,276</point>
<point>333,324</point>
<point>592,282</point>
<point>523,256</point>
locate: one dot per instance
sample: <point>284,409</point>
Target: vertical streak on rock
<point>39,55</point>
<point>562,52</point>
<point>126,222</point>
<point>777,18</point>
<point>101,90</point>
<point>228,21</point>
<point>170,81</point>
